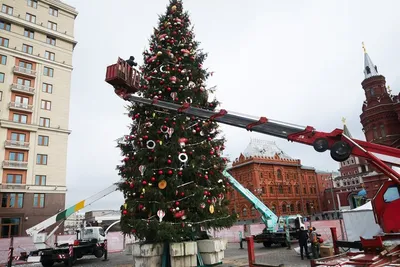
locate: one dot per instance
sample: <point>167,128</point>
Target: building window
<point>20,118</point>
<point>296,188</point>
<point>383,133</point>
<point>253,211</point>
<point>14,179</point>
<point>304,190</point>
<point>21,102</point>
<point>43,140</point>
<point>12,200</point>
<point>30,18</point>
<point>244,212</point>
<point>7,9</point>
<point>5,26</point>
<point>283,207</point>
<point>292,207</point>
<point>298,207</point>
<point>48,72</point>
<point>38,200</point>
<point>3,60</point>
<point>372,91</point>
<point>46,105</point>
<point>16,156</point>
<point>2,77</point>
<point>279,174</point>
<point>280,189</point>
<point>24,82</point>
<point>289,189</point>
<point>1,95</point>
<point>53,11</point>
<point>52,26</point>
<point>375,133</point>
<point>40,179</point>
<point>41,159</point>
<point>51,40</point>
<point>27,49</point>
<point>44,122</point>
<point>32,3</point>
<point>18,137</point>
<point>25,65</point>
<point>271,190</point>
<point>29,33</point>
<point>47,88</point>
<point>4,42</point>
<point>49,55</point>
<point>9,227</point>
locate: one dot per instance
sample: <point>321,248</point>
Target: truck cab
<point>93,234</point>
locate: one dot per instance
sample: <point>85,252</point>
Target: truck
<point>89,240</point>
<point>382,250</point>
<point>273,232</point>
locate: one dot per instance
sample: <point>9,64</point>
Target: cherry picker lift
<point>383,250</point>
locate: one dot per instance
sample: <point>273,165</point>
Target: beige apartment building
<point>36,47</point>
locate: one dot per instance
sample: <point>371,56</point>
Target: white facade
<point>36,47</point>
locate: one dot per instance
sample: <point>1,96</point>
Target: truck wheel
<point>66,263</point>
<point>267,244</point>
<point>98,253</point>
<point>47,263</point>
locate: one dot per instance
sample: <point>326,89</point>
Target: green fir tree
<point>173,185</point>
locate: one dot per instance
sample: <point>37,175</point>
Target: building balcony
<point>16,144</point>
<point>18,165</point>
<point>20,107</point>
<point>13,186</point>
<point>25,71</point>
<point>22,88</point>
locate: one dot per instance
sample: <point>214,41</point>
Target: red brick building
<point>281,182</point>
<point>380,119</point>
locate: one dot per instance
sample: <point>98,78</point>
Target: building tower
<point>379,119</point>
<point>36,47</point>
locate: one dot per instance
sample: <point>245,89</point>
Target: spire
<point>345,129</point>
<point>369,68</point>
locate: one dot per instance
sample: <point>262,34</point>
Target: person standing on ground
<point>314,243</point>
<point>287,233</point>
<point>303,237</point>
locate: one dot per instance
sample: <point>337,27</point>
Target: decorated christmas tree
<point>173,185</point>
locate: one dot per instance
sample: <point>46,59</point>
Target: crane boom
<point>267,216</point>
<point>63,215</point>
<point>340,145</point>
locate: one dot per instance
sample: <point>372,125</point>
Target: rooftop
<point>264,148</point>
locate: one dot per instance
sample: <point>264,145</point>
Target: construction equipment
<point>89,240</point>
<point>273,232</point>
<point>386,202</point>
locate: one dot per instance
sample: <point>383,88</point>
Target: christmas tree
<point>172,167</point>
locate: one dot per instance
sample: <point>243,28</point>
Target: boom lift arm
<point>340,145</point>
<point>40,239</point>
<point>267,216</point>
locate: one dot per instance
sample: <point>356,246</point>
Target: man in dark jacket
<point>303,237</point>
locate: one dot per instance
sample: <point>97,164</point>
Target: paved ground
<point>234,257</point>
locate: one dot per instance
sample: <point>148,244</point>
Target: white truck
<point>89,240</point>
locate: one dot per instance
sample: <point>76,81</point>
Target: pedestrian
<point>318,242</point>
<point>303,237</point>
<point>287,234</point>
<point>314,243</point>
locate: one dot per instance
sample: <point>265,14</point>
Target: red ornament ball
<point>177,203</point>
<point>144,182</point>
<point>206,177</point>
<point>153,179</point>
<point>170,172</point>
<point>160,172</point>
<point>124,212</point>
<point>169,161</point>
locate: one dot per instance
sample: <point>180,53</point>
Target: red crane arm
<point>340,145</point>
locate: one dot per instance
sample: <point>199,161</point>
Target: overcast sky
<point>295,61</point>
